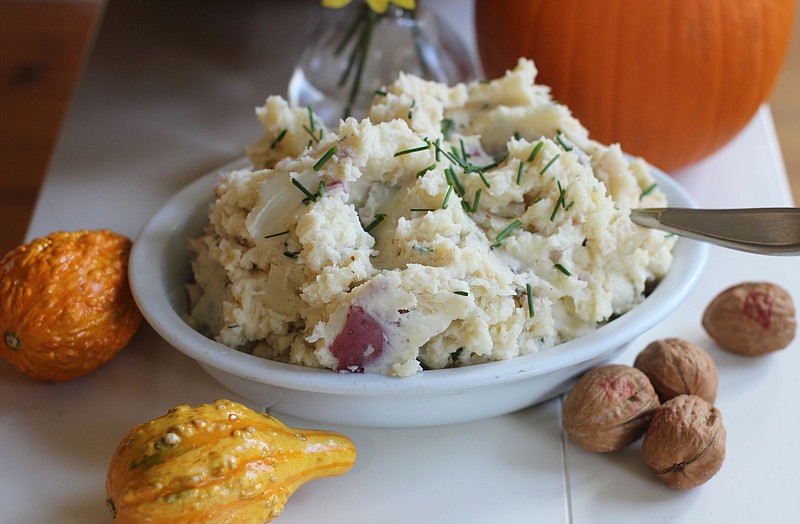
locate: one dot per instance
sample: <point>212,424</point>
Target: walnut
<point>752,318</point>
<point>677,367</point>
<point>685,443</point>
<point>609,407</point>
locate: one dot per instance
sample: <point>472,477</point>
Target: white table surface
<point>168,95</point>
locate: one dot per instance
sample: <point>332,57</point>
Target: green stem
<point>363,51</point>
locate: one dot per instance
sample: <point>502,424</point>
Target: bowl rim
<point>147,266</point>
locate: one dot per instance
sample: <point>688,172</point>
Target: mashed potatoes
<point>453,226</point>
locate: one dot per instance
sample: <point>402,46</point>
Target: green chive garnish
<point>423,209</point>
<point>277,139</point>
<point>447,197</point>
<point>483,178</point>
<point>447,126</point>
<point>562,269</point>
<point>411,108</point>
<point>456,182</point>
<point>278,234</point>
<point>423,171</point>
<point>535,151</point>
<point>377,220</point>
<point>647,191</point>
<point>302,188</point>
<point>559,202</point>
<point>381,92</point>
<point>311,119</point>
<point>413,150</point>
<point>504,233</point>
<point>519,171</point>
<point>327,156</point>
<point>477,199</point>
<point>560,140</point>
<point>550,163</point>
<point>314,137</point>
<point>529,291</point>
<point>462,293</point>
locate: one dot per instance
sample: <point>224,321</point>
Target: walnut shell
<point>677,367</point>
<point>752,318</point>
<point>685,443</point>
<point>609,407</point>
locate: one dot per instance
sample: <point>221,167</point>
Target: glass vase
<point>355,52</point>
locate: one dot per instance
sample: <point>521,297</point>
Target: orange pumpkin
<point>669,80</point>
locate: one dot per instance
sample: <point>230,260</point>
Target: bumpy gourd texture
<point>219,462</point>
<point>65,303</point>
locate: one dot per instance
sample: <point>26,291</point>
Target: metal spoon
<point>764,231</point>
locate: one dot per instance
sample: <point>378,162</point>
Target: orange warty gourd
<point>669,80</point>
<point>219,462</point>
<point>65,303</point>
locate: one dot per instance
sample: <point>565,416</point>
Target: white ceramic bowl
<point>160,270</point>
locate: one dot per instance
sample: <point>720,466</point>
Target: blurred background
<point>45,44</point>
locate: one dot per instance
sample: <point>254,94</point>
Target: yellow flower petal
<point>405,4</point>
<point>379,6</point>
<point>336,4</point>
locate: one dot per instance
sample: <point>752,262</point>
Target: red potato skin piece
<point>360,342</point>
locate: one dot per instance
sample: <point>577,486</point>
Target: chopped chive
<point>456,182</point>
<point>381,92</point>
<point>504,233</point>
<point>411,108</point>
<point>447,127</point>
<point>516,135</point>
<point>477,199</point>
<point>413,150</point>
<point>483,178</point>
<point>311,119</point>
<point>377,220</point>
<point>302,188</point>
<point>535,151</point>
<point>569,205</point>
<point>273,235</point>
<point>423,171</point>
<point>462,293</point>
<point>559,202</point>
<point>422,209</point>
<point>648,191</point>
<point>436,146</point>
<point>492,165</point>
<point>464,154</point>
<point>560,140</point>
<point>277,139</point>
<point>447,197</point>
<point>290,254</point>
<point>327,156</point>
<point>519,171</point>
<point>562,269</point>
<point>550,163</point>
<point>233,326</point>
<point>529,291</point>
<point>314,137</point>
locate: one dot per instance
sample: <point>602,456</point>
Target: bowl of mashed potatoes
<point>463,252</point>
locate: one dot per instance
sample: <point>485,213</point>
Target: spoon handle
<point>765,231</point>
